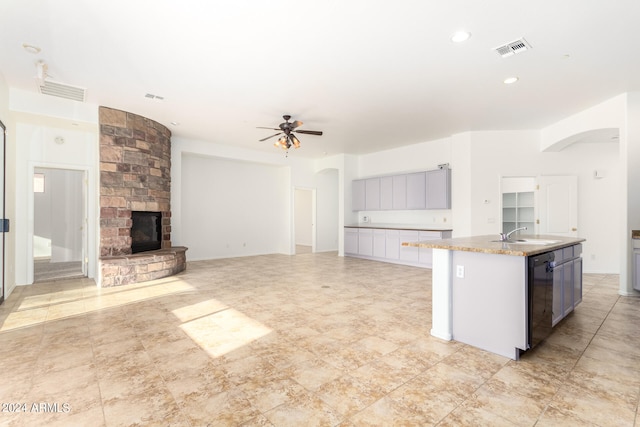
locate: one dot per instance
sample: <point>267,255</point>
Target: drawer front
<point>567,253</point>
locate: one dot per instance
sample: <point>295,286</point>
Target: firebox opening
<point>146,231</point>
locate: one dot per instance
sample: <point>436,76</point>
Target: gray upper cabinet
<point>358,195</point>
<point>386,193</point>
<point>399,192</point>
<point>439,189</point>
<point>416,190</point>
<point>372,194</point>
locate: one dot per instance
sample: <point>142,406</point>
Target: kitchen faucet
<point>504,237</point>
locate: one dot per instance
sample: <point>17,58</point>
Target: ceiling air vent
<point>511,48</point>
<point>62,90</point>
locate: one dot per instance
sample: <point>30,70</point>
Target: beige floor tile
<point>313,339</point>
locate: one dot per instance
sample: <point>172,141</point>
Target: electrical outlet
<point>460,271</point>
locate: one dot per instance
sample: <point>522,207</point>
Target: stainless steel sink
<point>541,242</point>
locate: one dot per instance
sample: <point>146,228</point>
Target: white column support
<point>442,323</point>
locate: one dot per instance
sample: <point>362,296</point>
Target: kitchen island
<point>484,293</point>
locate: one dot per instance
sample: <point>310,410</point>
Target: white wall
<point>273,234</point>
<point>511,153</point>
<point>232,208</point>
<point>327,211</point>
<point>482,158</point>
<point>36,147</point>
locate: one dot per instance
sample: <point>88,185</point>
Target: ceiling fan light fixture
<point>295,141</point>
<point>287,138</point>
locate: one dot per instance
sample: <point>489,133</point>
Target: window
<point>38,183</point>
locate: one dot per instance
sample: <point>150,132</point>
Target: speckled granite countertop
<point>398,227</point>
<point>486,244</point>
<point>635,234</point>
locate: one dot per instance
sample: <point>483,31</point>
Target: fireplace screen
<point>146,231</point>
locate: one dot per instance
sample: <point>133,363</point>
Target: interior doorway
<point>59,232</point>
<point>304,220</point>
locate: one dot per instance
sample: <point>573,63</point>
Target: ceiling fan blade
<point>262,127</point>
<point>309,132</point>
<point>296,124</point>
<point>264,139</point>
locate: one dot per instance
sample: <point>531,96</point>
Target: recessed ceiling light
<point>460,36</point>
<point>31,48</point>
<point>510,80</point>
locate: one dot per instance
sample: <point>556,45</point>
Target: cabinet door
<point>425,255</point>
<point>567,289</point>
<point>577,281</point>
<point>409,253</point>
<point>438,183</point>
<point>351,241</point>
<point>556,306</point>
<point>392,244</point>
<point>416,190</point>
<point>386,193</point>
<point>379,243</point>
<point>358,195</point>
<point>365,242</point>
<point>372,194</point>
<point>399,192</point>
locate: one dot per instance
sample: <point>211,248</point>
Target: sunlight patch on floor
<point>224,331</point>
<point>41,308</point>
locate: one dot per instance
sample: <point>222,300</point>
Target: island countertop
<point>489,244</point>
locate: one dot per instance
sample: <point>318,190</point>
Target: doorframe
<point>3,129</point>
<point>31,214</point>
<point>313,218</point>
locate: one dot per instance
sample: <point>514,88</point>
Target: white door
<point>558,205</point>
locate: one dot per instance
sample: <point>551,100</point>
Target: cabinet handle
<point>574,229</point>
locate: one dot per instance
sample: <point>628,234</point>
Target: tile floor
<point>303,340</point>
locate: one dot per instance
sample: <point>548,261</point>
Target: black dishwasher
<point>540,283</point>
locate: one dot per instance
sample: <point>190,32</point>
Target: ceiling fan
<point>287,130</point>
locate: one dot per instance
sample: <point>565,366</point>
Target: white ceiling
<point>371,74</point>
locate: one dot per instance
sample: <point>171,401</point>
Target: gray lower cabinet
<point>567,282</point>
<point>365,242</point>
<point>392,244</point>
<point>636,264</point>
<point>383,244</point>
<point>409,254</point>
<point>379,244</point>
<point>351,241</point>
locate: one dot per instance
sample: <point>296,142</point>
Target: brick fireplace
<point>135,175</point>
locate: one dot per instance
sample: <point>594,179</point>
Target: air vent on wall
<point>511,48</point>
<point>62,90</point>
